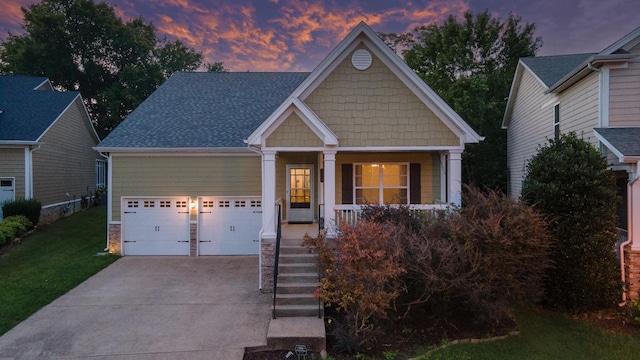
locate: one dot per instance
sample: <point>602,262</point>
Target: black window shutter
<point>415,186</point>
<point>347,183</point>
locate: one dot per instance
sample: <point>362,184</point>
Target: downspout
<point>28,170</point>
<point>257,150</point>
<point>590,67</point>
<point>629,232</point>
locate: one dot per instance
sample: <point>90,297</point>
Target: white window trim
<point>556,121</point>
<point>381,186</point>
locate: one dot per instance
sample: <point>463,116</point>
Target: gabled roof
<point>557,73</point>
<point>550,69</point>
<point>203,110</point>
<point>27,113</point>
<point>434,102</point>
<point>622,141</point>
<point>220,111</point>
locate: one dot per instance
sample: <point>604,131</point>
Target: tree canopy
<point>568,181</point>
<point>84,46</point>
<point>470,63</point>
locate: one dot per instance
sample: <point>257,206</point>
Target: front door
<point>300,193</point>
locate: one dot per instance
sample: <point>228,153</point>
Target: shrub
<point>30,208</point>
<point>12,227</point>
<point>634,311</point>
<point>476,262</point>
<point>568,181</point>
<point>360,275</point>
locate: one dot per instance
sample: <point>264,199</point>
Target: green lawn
<point>49,263</point>
<point>548,336</point>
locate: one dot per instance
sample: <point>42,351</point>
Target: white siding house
<point>597,96</point>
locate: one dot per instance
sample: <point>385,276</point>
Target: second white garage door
<point>229,225</point>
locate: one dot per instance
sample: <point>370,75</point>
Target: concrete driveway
<point>151,308</point>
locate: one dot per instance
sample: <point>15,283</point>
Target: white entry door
<point>300,193</point>
<point>229,225</point>
<point>155,226</point>
<point>7,191</point>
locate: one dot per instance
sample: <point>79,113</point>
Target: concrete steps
<point>287,332</point>
<point>298,314</point>
<point>297,281</point>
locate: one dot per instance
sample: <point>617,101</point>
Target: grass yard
<point>50,262</point>
<point>548,336</point>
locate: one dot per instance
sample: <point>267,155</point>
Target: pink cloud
<point>276,35</point>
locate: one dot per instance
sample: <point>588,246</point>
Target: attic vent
<point>361,59</point>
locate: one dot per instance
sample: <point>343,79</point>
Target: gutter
<point>581,70</point>
<point>630,233</point>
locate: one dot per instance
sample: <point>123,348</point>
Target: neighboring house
<point>598,97</point>
<point>46,141</point>
<point>198,167</point>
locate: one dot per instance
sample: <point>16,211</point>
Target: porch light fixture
<point>193,204</point>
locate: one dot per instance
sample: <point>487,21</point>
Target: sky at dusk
<point>294,35</point>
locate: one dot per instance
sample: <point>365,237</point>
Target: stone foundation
<point>51,214</point>
<point>632,272</point>
<point>114,239</point>
<point>268,254</point>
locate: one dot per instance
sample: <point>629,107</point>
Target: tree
<point>470,64</point>
<point>568,181</point>
<point>84,46</point>
<point>215,67</point>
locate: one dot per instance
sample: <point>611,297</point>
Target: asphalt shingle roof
<point>204,110</point>
<point>550,69</point>
<point>625,139</point>
<point>27,113</point>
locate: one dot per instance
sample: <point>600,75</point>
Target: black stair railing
<point>277,259</point>
<point>321,225</point>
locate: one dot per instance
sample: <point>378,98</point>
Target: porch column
<point>330,191</point>
<point>455,177</point>
<point>269,194</point>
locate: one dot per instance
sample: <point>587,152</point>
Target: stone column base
<point>632,272</point>
<point>114,239</point>
<point>193,239</point>
<point>268,257</point>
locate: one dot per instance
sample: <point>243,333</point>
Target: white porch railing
<point>351,214</point>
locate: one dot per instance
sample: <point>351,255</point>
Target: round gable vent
<point>361,59</point>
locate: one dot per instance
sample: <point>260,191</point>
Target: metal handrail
<point>321,227</point>
<point>277,259</point>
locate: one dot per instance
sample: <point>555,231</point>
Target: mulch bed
<point>421,333</point>
<point>404,339</point>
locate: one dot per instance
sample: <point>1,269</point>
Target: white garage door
<point>229,226</point>
<point>157,226</point>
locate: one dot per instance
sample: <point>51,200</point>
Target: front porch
<point>328,188</point>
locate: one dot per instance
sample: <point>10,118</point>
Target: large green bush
<point>12,227</point>
<point>569,182</point>
<point>30,208</point>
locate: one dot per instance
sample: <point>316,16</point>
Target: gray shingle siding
<point>550,69</point>
<point>204,110</point>
<point>27,113</point>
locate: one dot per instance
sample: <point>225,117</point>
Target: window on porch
<point>381,183</point>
